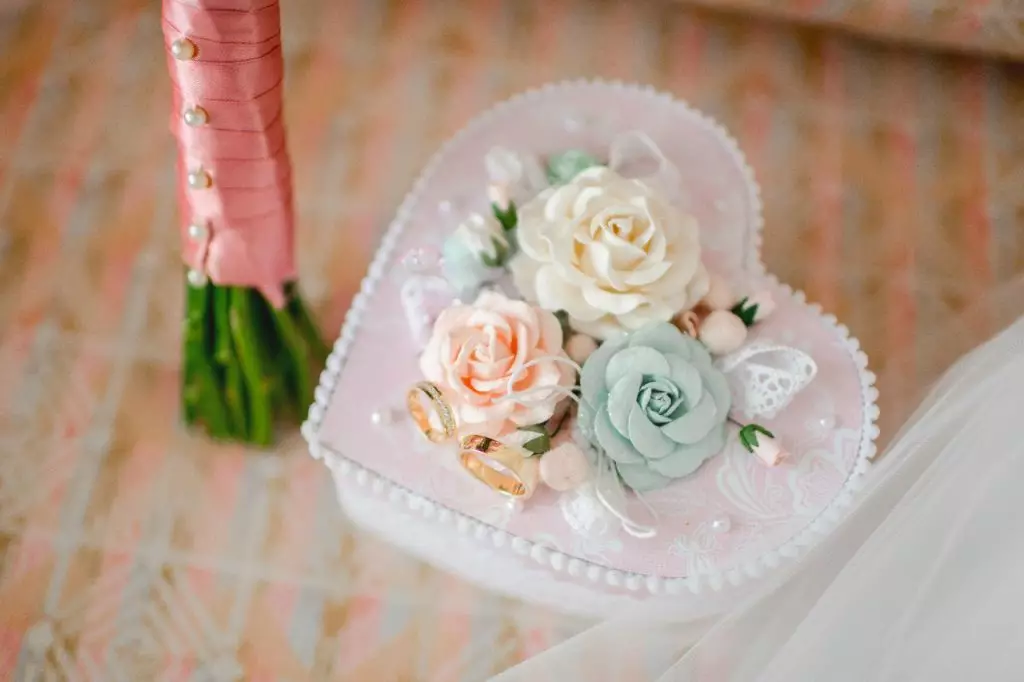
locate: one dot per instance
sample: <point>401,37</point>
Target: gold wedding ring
<point>426,392</point>
<point>498,466</point>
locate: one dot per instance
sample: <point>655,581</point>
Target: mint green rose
<point>655,404</point>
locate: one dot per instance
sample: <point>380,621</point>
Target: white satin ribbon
<point>764,377</point>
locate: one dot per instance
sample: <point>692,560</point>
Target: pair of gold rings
<point>501,468</point>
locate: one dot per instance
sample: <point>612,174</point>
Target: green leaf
<point>539,445</point>
<point>508,217</point>
<point>748,435</point>
<point>745,439</point>
<point>747,314</point>
<point>499,257</point>
<point>562,168</point>
<point>751,315</point>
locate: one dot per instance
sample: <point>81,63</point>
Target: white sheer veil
<point>924,580</point>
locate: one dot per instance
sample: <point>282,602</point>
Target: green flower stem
<point>224,355</point>
<point>243,329</point>
<point>296,354</point>
<point>245,363</point>
<point>200,393</point>
<point>307,328</point>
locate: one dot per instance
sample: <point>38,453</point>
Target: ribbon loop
<point>635,155</point>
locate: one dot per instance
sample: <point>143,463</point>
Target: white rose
<point>482,235</point>
<point>609,252</point>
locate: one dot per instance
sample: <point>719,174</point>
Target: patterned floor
<point>132,550</point>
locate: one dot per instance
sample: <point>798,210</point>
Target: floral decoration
<point>613,282</point>
<point>610,252</point>
<point>475,253</point>
<point>474,351</point>
<point>564,167</point>
<point>654,402</point>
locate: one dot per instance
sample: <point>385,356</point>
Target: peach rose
<point>475,349</point>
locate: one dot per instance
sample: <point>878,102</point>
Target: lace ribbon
<point>764,377</point>
<point>235,81</point>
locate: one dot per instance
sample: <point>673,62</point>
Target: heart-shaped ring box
<point>719,529</point>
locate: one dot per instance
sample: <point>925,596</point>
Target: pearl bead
<point>420,260</point>
<point>195,117</point>
<point>826,422</point>
<point>721,524</point>
<point>197,278</point>
<point>197,232</point>
<point>184,49</point>
<point>382,417</point>
<point>199,179</point>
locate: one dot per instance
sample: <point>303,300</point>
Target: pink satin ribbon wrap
<point>236,78</point>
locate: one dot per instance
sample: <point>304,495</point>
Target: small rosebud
<point>579,347</point>
<point>765,305</point>
<point>564,467</point>
<point>688,323</point>
<point>769,450</point>
<point>484,237</point>
<point>720,295</point>
<point>499,195</point>
<point>722,332</point>
<point>761,443</point>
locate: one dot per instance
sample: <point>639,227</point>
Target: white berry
<point>722,332</point>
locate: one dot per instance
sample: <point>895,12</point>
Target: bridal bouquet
<point>250,345</point>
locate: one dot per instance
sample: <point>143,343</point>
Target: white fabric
<point>924,581</point>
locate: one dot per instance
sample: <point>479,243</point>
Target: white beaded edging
<point>575,567</point>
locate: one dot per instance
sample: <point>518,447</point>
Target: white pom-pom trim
<point>499,539</point>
